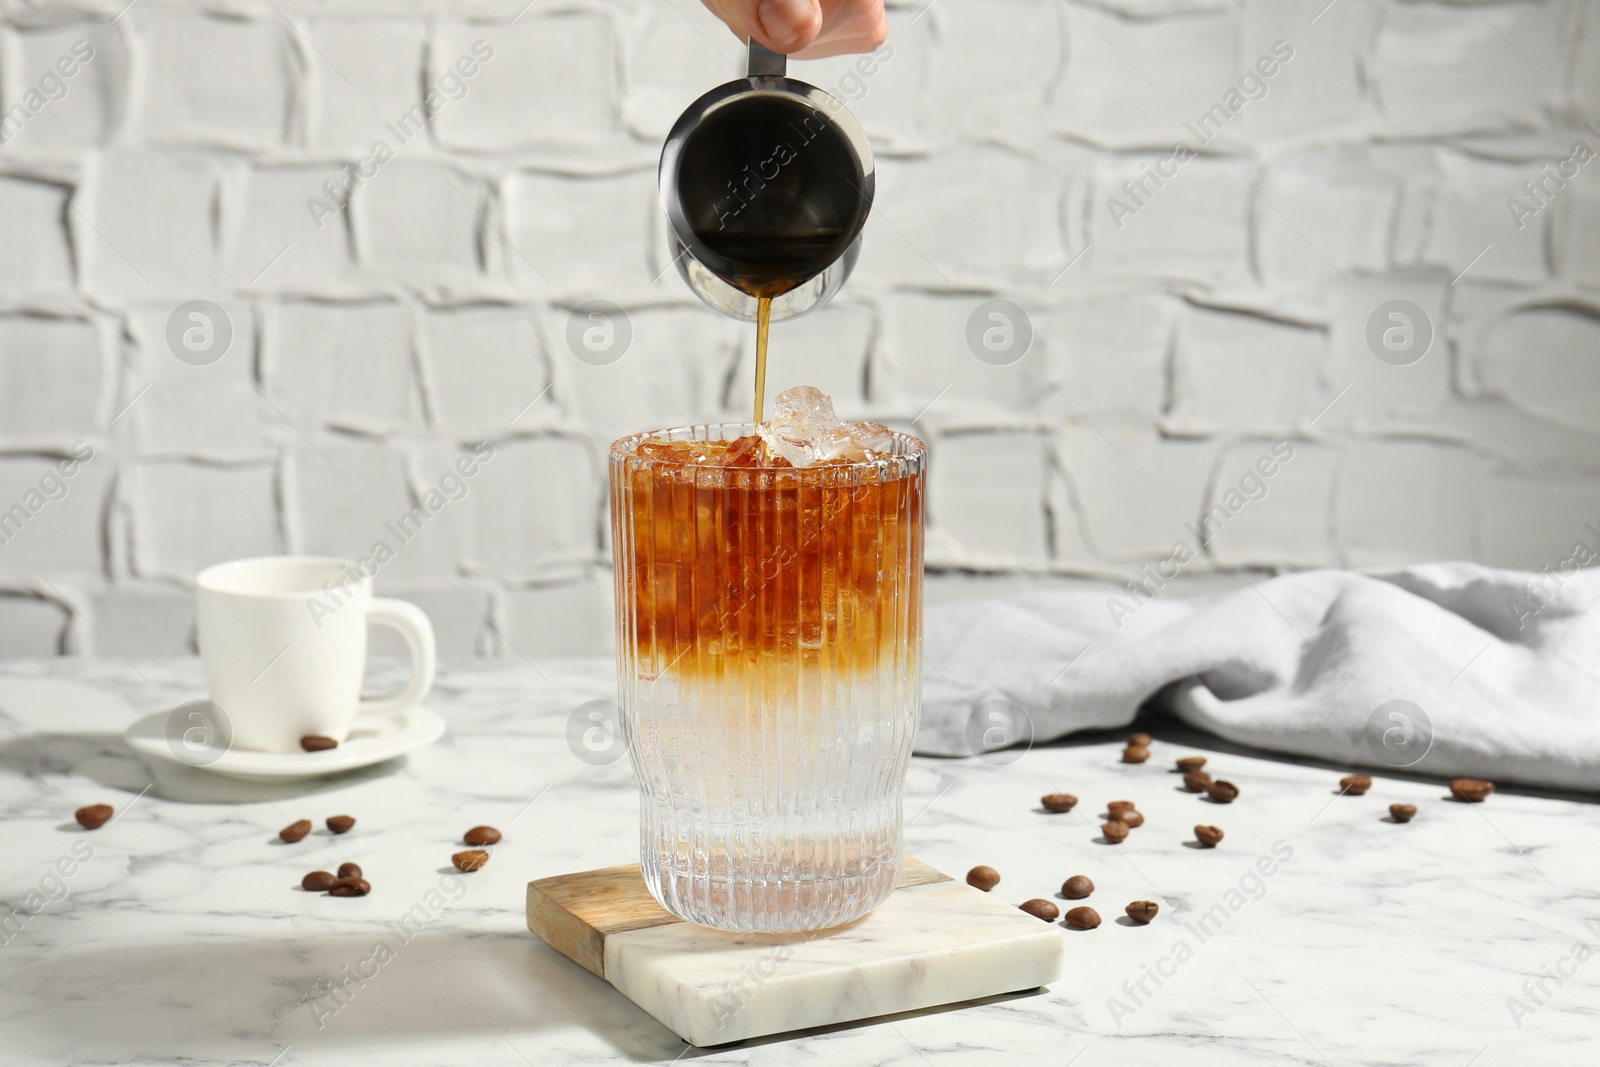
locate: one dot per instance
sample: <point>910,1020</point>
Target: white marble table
<point>184,936</point>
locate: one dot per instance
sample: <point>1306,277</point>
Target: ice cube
<point>805,431</point>
<point>743,452</point>
<point>834,445</point>
<point>804,404</point>
<point>852,442</point>
<point>798,453</point>
<point>799,417</point>
<point>872,436</point>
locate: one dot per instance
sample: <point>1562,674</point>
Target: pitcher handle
<point>765,63</point>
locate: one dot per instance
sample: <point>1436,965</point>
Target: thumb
<point>782,25</point>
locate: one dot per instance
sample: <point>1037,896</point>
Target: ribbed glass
<point>769,647</point>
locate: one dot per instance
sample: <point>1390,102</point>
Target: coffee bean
<point>984,878</point>
<point>1222,791</point>
<point>1083,917</point>
<point>349,870</point>
<point>1196,781</point>
<point>1191,763</point>
<point>1058,802</point>
<point>350,887</point>
<point>1041,909</point>
<point>1355,784</point>
<point>1209,836</point>
<point>481,835</point>
<point>295,831</point>
<point>470,860</point>
<point>1140,739</point>
<point>1471,789</point>
<point>1077,887</point>
<point>1135,754</point>
<point>317,743</point>
<point>1402,812</point>
<point>340,824</point>
<point>1142,911</point>
<point>94,816</point>
<point>1116,807</point>
<point>1131,818</point>
<point>319,881</point>
<point>1115,831</point>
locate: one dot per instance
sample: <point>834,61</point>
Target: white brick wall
<point>1173,348</point>
<point>224,82</point>
<point>34,254</point>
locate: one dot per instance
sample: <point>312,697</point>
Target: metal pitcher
<point>767,182</point>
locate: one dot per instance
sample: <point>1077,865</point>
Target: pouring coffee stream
<point>763,325</point>
<point>767,182</point>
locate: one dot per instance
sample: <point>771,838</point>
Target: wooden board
<point>575,913</point>
<point>933,942</point>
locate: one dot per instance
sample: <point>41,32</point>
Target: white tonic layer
<point>767,809</point>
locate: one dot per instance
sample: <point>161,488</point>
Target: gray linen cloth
<point>1443,669</point>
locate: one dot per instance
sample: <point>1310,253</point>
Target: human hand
<point>806,29</point>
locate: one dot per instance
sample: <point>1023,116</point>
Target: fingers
<point>785,26</point>
<point>806,29</point>
<point>847,26</point>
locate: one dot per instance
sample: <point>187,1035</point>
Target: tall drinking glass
<point>769,638</point>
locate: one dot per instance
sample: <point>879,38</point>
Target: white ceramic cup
<point>284,643</point>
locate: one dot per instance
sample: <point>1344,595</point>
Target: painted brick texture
<point>1210,212</point>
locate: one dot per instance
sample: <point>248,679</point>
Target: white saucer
<point>373,739</point>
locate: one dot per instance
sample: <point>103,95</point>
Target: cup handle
<point>412,625</point>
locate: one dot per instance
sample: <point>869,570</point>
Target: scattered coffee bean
<point>1196,781</point>
<point>1083,917</point>
<point>1355,784</point>
<point>349,870</point>
<point>1131,818</point>
<point>1058,802</point>
<point>1119,805</point>
<point>350,887</point>
<point>1142,911</point>
<point>1191,763</point>
<point>1077,887</point>
<point>1141,739</point>
<point>1471,789</point>
<point>317,743</point>
<point>319,881</point>
<point>481,835</point>
<point>1041,909</point>
<point>1209,836</point>
<point>470,860</point>
<point>94,816</point>
<point>984,878</point>
<point>295,831</point>
<point>1402,812</point>
<point>1135,754</point>
<point>1222,791</point>
<point>1115,831</point>
<point>341,824</point>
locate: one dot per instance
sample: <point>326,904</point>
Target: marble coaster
<point>934,941</point>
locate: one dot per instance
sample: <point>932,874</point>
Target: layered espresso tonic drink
<point>769,606</point>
